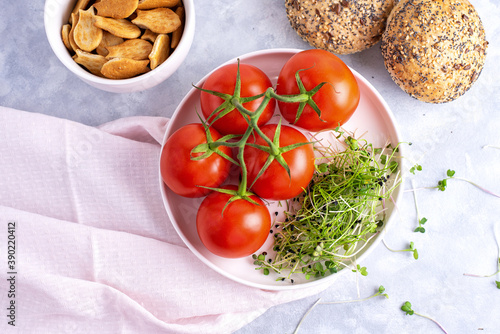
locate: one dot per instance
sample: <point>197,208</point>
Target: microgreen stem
<point>433,320</point>
<point>380,292</point>
<point>420,221</point>
<point>305,315</point>
<point>498,261</point>
<point>406,307</point>
<point>477,186</point>
<point>411,249</point>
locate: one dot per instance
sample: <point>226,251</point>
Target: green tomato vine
<point>274,150</point>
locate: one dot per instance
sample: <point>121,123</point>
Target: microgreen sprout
<point>361,270</point>
<point>416,167</point>
<point>380,292</point>
<point>490,275</point>
<point>421,221</point>
<point>420,228</point>
<point>491,146</point>
<point>442,184</point>
<point>342,209</point>
<point>411,249</point>
<point>495,273</point>
<point>406,307</point>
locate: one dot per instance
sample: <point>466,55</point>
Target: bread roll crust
<point>434,49</point>
<point>339,26</point>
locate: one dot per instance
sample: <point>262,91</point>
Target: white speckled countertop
<point>462,221</point>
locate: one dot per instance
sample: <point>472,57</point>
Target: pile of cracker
<point>120,39</point>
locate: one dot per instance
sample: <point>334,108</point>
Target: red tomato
<point>238,231</point>
<point>183,175</point>
<point>275,183</point>
<point>223,80</point>
<point>337,100</point>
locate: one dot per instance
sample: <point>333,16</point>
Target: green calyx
<point>205,150</point>
<point>228,105</point>
<point>235,196</point>
<point>275,152</point>
<point>304,97</point>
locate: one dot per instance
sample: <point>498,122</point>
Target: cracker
<point>149,36</point>
<point>108,39</point>
<point>117,9</point>
<point>74,19</point>
<point>160,51</point>
<point>137,49</point>
<point>65,36</point>
<point>151,4</point>
<point>159,20</point>
<point>177,34</point>
<point>90,61</point>
<point>118,27</point>
<point>123,68</point>
<point>80,4</point>
<point>87,36</point>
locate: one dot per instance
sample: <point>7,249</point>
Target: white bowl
<point>56,14</point>
<point>373,119</point>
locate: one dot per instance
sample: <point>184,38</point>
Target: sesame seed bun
<point>339,26</point>
<point>434,49</point>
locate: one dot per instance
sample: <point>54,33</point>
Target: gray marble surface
<point>463,228</point>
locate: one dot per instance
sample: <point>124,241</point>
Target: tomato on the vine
<point>337,99</point>
<point>275,183</point>
<point>223,80</point>
<point>235,229</point>
<point>183,175</point>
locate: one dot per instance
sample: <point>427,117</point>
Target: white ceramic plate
<point>372,118</point>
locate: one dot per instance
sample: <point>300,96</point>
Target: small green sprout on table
<point>406,307</point>
<point>411,249</point>
<point>380,292</point>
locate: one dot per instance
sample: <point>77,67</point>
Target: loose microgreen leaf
<point>416,167</point>
<point>498,284</point>
<point>442,185</point>
<point>407,308</point>
<point>450,173</point>
<point>420,228</point>
<point>361,270</point>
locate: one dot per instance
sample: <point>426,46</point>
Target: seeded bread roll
<point>434,49</point>
<point>339,26</point>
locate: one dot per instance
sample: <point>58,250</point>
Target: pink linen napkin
<point>95,250</point>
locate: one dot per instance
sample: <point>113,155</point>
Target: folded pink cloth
<point>95,250</point>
